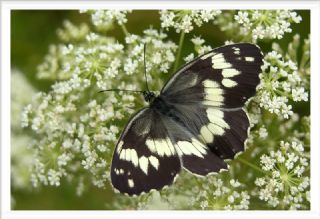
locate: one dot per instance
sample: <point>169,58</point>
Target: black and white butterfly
<point>195,123</point>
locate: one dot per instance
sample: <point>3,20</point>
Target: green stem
<point>124,29</point>
<point>179,51</point>
<point>250,164</point>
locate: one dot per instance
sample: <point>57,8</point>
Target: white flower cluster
<point>182,20</point>
<point>285,183</point>
<point>280,82</point>
<point>266,24</point>
<point>72,32</point>
<point>104,19</point>
<point>215,194</point>
<point>159,55</point>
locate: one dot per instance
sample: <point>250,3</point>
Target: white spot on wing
<point>210,84</point>
<point>215,112</point>
<point>151,145</point>
<point>236,50</point>
<point>215,116</point>
<point>213,93</point>
<point>188,148</point>
<point>211,103</point>
<point>206,134</point>
<point>199,146</point>
<point>215,129</point>
<point>249,59</point>
<point>128,154</point>
<point>219,62</point>
<point>171,147</point>
<point>119,147</point>
<point>229,83</point>
<point>123,154</point>
<point>161,147</point>
<point>134,157</point>
<point>144,163</point>
<point>130,183</point>
<point>229,72</point>
<point>191,148</point>
<point>154,162</point>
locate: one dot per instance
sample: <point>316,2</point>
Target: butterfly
<point>196,123</point>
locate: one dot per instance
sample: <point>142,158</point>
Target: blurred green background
<point>31,34</point>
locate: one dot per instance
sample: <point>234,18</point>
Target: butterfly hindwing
<point>151,150</point>
<point>195,156</point>
<point>144,157</point>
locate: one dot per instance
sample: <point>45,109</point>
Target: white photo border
<point>7,6</point>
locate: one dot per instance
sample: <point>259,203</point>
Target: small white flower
<point>67,143</point>
<point>204,204</point>
<point>63,159</point>
<point>197,41</point>
<point>189,58</point>
<point>299,94</point>
<point>263,133</point>
<point>102,148</point>
<point>54,177</point>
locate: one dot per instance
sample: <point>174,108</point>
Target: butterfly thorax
<point>162,106</point>
<point>148,96</point>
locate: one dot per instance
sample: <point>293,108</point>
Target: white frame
<point>7,6</point>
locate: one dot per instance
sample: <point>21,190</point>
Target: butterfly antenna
<point>145,67</point>
<point>145,75</point>
<point>138,91</point>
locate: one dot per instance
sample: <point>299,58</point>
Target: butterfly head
<point>148,96</point>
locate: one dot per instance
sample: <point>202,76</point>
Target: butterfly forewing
<point>225,77</point>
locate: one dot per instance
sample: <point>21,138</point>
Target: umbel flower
<point>285,184</point>
<point>280,83</point>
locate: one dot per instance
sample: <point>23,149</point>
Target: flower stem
<point>124,29</point>
<point>179,51</point>
<point>250,164</point>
